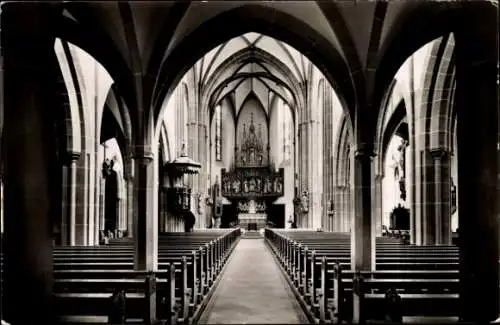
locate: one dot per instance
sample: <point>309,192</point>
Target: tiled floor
<point>253,290</point>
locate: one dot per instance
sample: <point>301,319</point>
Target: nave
<point>253,290</point>
<point>141,140</point>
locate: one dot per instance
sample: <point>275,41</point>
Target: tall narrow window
<point>287,132</point>
<point>218,136</point>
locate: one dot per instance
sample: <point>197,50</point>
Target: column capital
<point>437,153</point>
<point>142,154</point>
<point>363,151</point>
<point>73,155</point>
<point>144,159</point>
<point>362,154</point>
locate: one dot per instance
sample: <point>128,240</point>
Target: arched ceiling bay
<point>157,41</point>
<point>201,11</point>
<point>219,75</point>
<point>162,25</point>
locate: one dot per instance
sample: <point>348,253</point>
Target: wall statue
<point>200,203</point>
<point>304,200</point>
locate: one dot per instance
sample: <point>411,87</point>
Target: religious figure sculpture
<point>258,185</point>
<point>277,185</point>
<point>227,185</point>
<point>305,202</point>
<point>107,166</point>
<point>267,185</point>
<point>252,184</point>
<point>236,185</point>
<point>200,202</point>
<point>399,168</point>
<point>245,186</point>
<point>453,196</point>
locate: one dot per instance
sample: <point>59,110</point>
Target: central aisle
<point>253,290</point>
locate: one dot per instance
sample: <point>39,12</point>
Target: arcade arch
<point>246,67</point>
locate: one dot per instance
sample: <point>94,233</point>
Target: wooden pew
<point>86,274</point>
<point>92,296</point>
<point>314,262</point>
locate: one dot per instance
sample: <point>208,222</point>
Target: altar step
<point>252,234</point>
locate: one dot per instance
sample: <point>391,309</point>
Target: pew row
<point>188,266</point>
<point>408,281</point>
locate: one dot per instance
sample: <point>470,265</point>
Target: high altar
<point>252,184</point>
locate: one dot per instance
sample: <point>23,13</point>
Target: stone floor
<point>252,290</point>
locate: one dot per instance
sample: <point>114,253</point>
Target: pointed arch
<point>246,113</point>
<point>251,96</point>
<point>164,143</point>
<point>344,140</point>
<point>75,124</point>
<point>397,117</point>
<point>439,110</point>
<point>260,19</point>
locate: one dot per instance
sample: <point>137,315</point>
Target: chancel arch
<point>212,31</point>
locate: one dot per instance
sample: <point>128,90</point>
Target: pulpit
<point>179,195</point>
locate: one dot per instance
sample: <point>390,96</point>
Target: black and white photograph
<point>249,162</point>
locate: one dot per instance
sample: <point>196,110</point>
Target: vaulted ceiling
<point>252,63</point>
<point>159,41</point>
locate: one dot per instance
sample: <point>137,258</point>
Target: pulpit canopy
<point>183,165</point>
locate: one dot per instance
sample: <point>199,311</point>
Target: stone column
<point>73,158</point>
<point>362,230</point>
<point>337,217</point>
<point>478,140</point>
<point>28,156</point>
<point>130,206</point>
<point>341,213</point>
<point>64,227</point>
<point>161,209</point>
<point>84,207</point>
<point>315,169</point>
<point>442,197</point>
<point>377,204</point>
<point>410,167</point>
<point>145,222</point>
<point>1,204</point>
<point>348,213</point>
<point>427,202</point>
<point>102,201</point>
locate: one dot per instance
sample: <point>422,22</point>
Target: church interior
<point>264,162</point>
